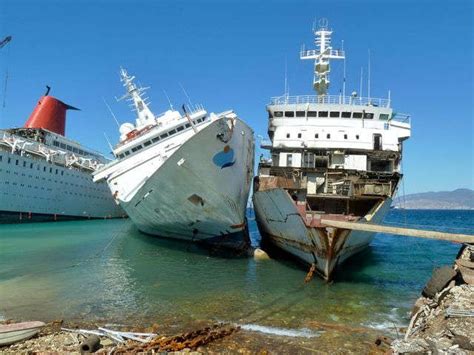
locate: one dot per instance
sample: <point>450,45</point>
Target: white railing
<point>329,99</point>
<point>20,145</point>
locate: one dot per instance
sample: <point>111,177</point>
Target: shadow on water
<point>188,246</point>
<point>352,270</point>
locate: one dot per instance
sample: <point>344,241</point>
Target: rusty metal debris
<point>310,274</point>
<point>444,321</point>
<point>191,340</point>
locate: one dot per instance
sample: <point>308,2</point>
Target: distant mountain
<point>460,199</point>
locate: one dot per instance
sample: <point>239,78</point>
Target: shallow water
<point>106,270</point>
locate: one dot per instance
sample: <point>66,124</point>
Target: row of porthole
<point>328,135</point>
<point>66,192</point>
<point>65,183</point>
<point>325,114</point>
<point>38,166</point>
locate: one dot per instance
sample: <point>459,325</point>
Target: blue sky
<point>232,54</point>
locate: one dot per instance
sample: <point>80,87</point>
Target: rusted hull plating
<point>283,226</point>
<point>200,193</point>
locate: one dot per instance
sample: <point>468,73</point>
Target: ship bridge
<point>324,124</point>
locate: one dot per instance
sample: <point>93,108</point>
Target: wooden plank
<point>420,233</point>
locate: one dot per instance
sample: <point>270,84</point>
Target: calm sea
<point>106,270</point>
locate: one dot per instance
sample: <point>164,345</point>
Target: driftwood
<point>190,340</point>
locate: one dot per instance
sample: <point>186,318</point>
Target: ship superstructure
<point>46,176</point>
<point>182,175</point>
<point>332,157</point>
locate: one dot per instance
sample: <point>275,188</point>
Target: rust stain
<point>240,225</point>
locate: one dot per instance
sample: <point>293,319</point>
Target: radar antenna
<point>321,57</point>
<point>134,94</point>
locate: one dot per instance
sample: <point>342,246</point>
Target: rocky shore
<point>443,318</point>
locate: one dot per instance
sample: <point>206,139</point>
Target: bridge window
<point>287,135</point>
<point>323,114</point>
<point>368,115</point>
<point>357,136</point>
<point>173,131</point>
<point>346,114</point>
<point>300,114</point>
<point>316,135</point>
<point>328,136</point>
<point>180,128</point>
<point>289,114</point>
<point>187,125</point>
<point>383,116</point>
<point>164,135</point>
<point>357,115</point>
<point>334,114</point>
<point>127,152</point>
<point>345,136</point>
<point>147,143</point>
<point>311,113</point>
<point>299,135</point>
<point>156,139</point>
<point>278,113</point>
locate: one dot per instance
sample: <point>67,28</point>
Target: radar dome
<point>126,128</point>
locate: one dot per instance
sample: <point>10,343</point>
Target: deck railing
<point>25,146</point>
<point>330,99</point>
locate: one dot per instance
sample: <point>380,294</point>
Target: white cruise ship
<point>184,176</point>
<point>333,158</point>
<point>45,176</point>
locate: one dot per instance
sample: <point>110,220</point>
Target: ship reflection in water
<point>105,270</point>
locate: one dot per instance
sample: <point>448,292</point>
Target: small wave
<point>303,333</point>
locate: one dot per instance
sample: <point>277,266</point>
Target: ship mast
<point>321,57</point>
<point>134,94</point>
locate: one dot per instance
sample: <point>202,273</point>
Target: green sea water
<point>107,271</point>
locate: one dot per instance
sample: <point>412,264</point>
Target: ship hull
<point>34,190</point>
<point>282,226</point>
<point>200,192</point>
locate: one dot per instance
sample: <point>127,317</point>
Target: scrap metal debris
<point>191,340</point>
<point>443,321</point>
<point>116,336</point>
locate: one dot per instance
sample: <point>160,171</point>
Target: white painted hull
<point>34,189</point>
<point>190,196</point>
<point>281,225</point>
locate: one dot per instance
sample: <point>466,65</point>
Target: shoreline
<point>321,337</point>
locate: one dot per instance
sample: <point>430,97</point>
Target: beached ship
<point>183,175</point>
<point>333,158</point>
<point>47,176</point>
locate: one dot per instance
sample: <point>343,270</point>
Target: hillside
<point>460,199</point>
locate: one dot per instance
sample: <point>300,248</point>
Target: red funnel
<point>50,114</point>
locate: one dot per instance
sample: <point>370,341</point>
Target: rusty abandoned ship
<point>333,158</point>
